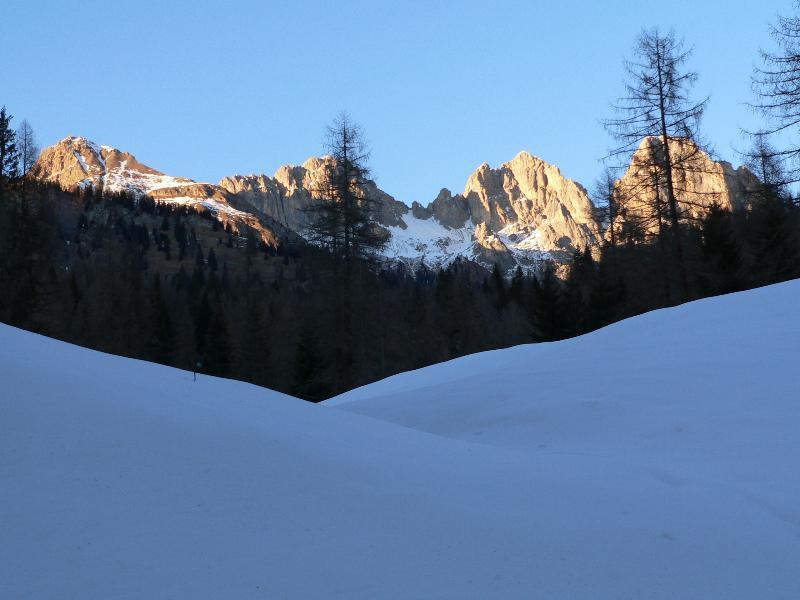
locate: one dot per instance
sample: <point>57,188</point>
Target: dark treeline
<point>150,281</point>
<point>175,286</point>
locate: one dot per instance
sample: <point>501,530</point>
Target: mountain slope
<point>522,213</point>
<point>125,479</point>
<point>76,162</point>
<point>699,183</point>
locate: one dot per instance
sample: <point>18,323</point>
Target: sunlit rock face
<point>523,212</point>
<point>530,195</point>
<point>699,183</point>
<point>76,162</point>
<point>288,194</point>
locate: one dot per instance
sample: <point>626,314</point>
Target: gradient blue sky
<point>208,89</point>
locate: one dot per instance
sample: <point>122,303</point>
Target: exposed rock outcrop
<point>490,250</point>
<point>76,162</point>
<point>699,182</point>
<point>520,213</point>
<point>451,211</point>
<point>528,194</point>
<point>287,195</point>
<point>524,211</point>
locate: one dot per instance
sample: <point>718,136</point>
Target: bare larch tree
<point>27,146</point>
<point>657,107</point>
<point>777,88</point>
<point>28,150</point>
<point>342,219</point>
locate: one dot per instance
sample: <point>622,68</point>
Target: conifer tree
<point>162,332</point>
<point>776,84</point>
<point>516,289</point>
<point>308,378</point>
<point>772,222</point>
<point>342,220</point>
<point>657,107</point>
<point>28,147</point>
<point>498,288</point>
<point>9,153</point>
<point>548,306</point>
<point>218,346</point>
<point>722,250</point>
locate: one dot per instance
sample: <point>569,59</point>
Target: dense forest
<point>150,280</point>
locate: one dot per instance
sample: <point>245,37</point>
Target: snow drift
<point>657,458</point>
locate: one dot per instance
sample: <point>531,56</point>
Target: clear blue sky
<point>208,89</point>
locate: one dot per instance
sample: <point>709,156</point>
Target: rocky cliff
<point>292,189</point>
<point>698,180</point>
<point>521,213</point>
<point>76,162</point>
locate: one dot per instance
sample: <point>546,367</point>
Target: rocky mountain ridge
<point>523,212</point>
<point>76,162</point>
<point>699,183</point>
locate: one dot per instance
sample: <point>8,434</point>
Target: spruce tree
<point>218,346</point>
<point>722,251</point>
<point>516,289</point>
<point>308,380</point>
<point>498,288</point>
<point>548,307</point>
<point>161,345</point>
<point>9,153</point>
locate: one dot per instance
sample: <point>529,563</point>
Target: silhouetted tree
<point>548,306</point>
<point>656,107</point>
<point>308,380</point>
<point>722,251</point>
<point>162,332</point>
<point>218,346</point>
<point>9,152</point>
<point>342,220</point>
<point>777,87</point>
<point>28,147</point>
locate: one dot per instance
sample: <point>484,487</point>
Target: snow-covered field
<point>657,458</point>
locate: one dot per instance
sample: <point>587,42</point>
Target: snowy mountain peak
<point>76,162</point>
<point>523,212</point>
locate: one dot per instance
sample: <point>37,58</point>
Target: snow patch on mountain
<point>123,179</point>
<point>214,206</point>
<point>429,242</point>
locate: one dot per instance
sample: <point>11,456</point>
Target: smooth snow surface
<point>656,459</point>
